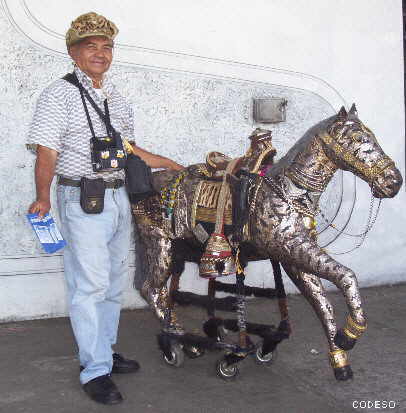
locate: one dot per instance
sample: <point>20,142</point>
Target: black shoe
<point>103,390</point>
<point>122,365</point>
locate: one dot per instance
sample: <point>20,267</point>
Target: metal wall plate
<point>269,110</point>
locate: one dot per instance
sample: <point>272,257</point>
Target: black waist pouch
<point>138,179</point>
<point>92,195</point>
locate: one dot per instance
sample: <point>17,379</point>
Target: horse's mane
<point>300,146</point>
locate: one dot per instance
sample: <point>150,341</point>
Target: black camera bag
<point>138,173</point>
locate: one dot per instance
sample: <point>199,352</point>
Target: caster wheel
<point>221,333</point>
<point>178,356</point>
<point>193,352</point>
<point>226,372</point>
<point>266,359</point>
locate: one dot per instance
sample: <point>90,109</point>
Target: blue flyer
<point>47,232</point>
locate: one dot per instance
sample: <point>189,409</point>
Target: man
<point>95,258</point>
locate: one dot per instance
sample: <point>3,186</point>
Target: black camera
<point>108,153</point>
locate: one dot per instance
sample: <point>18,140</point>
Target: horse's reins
<point>371,172</point>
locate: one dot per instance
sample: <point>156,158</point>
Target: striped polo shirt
<point>60,123</point>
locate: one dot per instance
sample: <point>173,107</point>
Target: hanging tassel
<point>217,260</point>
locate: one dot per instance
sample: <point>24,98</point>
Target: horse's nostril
<point>398,182</point>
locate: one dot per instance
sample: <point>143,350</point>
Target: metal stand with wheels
<point>175,346</point>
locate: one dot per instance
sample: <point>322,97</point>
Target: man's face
<point>93,55</point>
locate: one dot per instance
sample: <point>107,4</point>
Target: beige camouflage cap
<point>90,24</point>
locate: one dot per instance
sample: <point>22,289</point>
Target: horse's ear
<point>353,110</point>
<point>342,113</point>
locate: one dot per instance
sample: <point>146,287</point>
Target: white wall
<point>343,51</point>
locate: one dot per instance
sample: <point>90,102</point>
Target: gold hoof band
<point>353,330</point>
<point>338,359</point>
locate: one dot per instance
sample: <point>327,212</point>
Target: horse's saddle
<point>217,162</point>
<point>220,198</point>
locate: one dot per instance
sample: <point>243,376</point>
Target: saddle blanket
<point>205,204</point>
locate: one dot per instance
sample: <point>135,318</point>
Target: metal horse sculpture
<point>281,225</point>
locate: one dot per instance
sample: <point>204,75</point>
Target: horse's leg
<point>157,259</point>
<point>312,289</point>
<point>281,294</point>
<point>310,258</point>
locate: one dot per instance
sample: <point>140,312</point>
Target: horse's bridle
<point>370,172</point>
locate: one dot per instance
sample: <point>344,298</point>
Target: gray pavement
<point>39,371</point>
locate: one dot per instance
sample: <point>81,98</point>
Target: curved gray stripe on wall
<point>22,17</point>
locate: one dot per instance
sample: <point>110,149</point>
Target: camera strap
<point>105,117</point>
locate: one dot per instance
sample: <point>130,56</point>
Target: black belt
<point>115,184</point>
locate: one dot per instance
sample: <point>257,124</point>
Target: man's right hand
<point>40,207</point>
<point>44,173</point>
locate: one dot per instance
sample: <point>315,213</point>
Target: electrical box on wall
<point>269,110</point>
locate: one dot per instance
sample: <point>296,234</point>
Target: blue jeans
<point>96,267</point>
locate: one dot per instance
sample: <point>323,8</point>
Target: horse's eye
<point>358,137</point>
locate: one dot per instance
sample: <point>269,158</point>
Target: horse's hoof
<point>343,341</point>
<point>343,373</point>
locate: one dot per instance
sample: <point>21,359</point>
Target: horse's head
<point>353,147</point>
